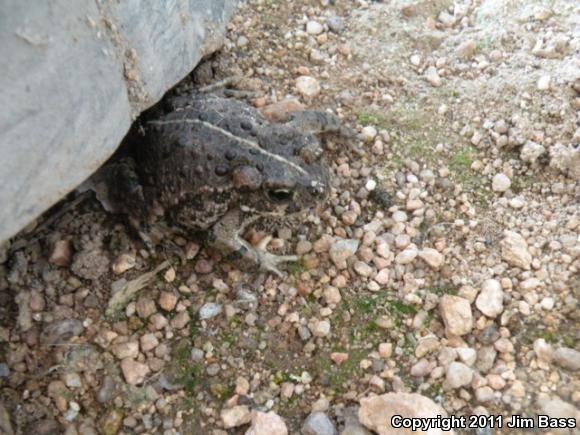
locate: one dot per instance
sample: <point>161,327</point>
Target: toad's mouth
<point>280,196</point>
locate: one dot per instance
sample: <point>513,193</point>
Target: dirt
<point>444,96</point>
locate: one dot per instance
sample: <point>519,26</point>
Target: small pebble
<point>314,28</point>
<point>501,183</point>
<point>308,86</point>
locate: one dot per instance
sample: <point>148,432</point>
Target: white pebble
<point>544,83</point>
<point>369,133</point>
<point>308,86</point>
<point>547,303</point>
<point>407,256</point>
<point>314,28</point>
<point>501,183</point>
<point>490,300</point>
<point>371,185</point>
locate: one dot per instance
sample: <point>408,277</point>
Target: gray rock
<point>197,354</point>
<point>318,423</point>
<point>73,380</point>
<point>458,375</point>
<point>246,299</point>
<point>83,358</point>
<point>213,369</point>
<point>485,358</point>
<point>209,310</point>
<point>107,389</point>
<point>341,250</point>
<point>165,383</point>
<point>118,58</point>
<point>61,331</point>
<point>489,334</point>
<point>557,408</point>
<point>304,333</point>
<point>335,24</point>
<point>567,358</point>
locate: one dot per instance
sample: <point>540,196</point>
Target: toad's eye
<point>280,196</point>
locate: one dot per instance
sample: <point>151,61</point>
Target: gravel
<point>437,277</point>
<point>318,423</point>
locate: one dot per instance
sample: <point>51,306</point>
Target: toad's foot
<point>267,261</point>
<point>226,238</point>
<point>319,122</point>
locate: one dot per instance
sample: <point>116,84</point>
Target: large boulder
<point>75,74</point>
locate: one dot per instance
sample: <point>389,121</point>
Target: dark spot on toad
<point>221,170</point>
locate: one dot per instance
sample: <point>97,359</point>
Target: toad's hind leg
<point>226,238</point>
<point>118,188</point>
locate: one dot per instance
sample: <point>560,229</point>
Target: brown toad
<point>215,164</point>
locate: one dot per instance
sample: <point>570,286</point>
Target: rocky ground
<point>441,277</point>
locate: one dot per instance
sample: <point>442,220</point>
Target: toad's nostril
<point>315,190</point>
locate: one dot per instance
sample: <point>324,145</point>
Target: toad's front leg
<point>226,238</point>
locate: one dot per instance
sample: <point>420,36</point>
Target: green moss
<point>428,319</point>
<point>570,341</point>
<point>550,336</point>
<point>402,308</point>
<point>184,371</point>
<point>365,304</point>
<point>135,324</point>
<point>371,117</point>
<point>443,290</point>
<point>521,183</point>
<point>311,298</point>
<point>397,162</point>
<point>229,338</point>
<point>295,267</point>
<point>409,118</point>
<point>280,377</point>
<point>338,375</point>
<point>435,390</point>
<point>221,391</point>
<point>462,159</point>
<point>372,327</point>
<point>194,324</point>
<point>473,183</point>
<point>414,133</point>
<point>112,421</point>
